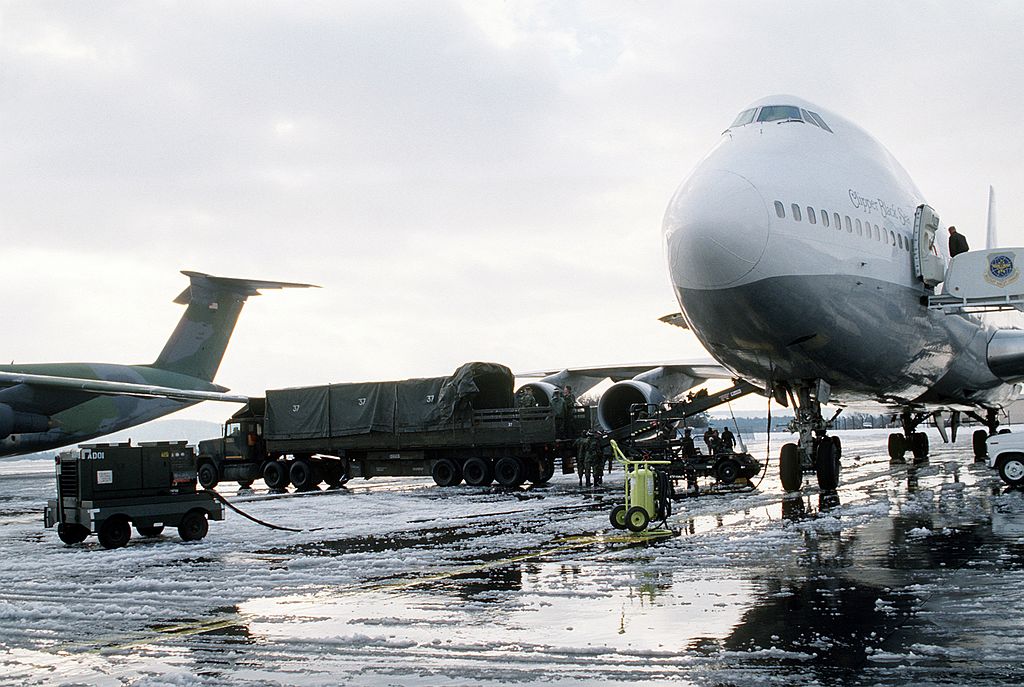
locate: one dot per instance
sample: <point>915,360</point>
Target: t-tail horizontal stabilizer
<point>197,345</point>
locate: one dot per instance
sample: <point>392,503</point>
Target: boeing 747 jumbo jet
<point>50,405</point>
<point>806,261</point>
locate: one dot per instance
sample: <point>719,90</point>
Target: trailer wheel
<point>275,474</point>
<point>509,472</point>
<point>618,517</point>
<point>478,472</point>
<point>637,519</point>
<point>114,532</point>
<point>335,473</point>
<point>446,473</point>
<point>149,530</point>
<point>207,475</point>
<point>727,470</point>
<point>547,470</point>
<point>303,475</point>
<point>72,532</point>
<point>193,526</point>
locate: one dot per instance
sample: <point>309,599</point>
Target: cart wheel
<point>149,530</point>
<point>72,533</point>
<point>193,526</point>
<point>478,472</point>
<point>114,532</point>
<point>618,517</point>
<point>207,475</point>
<point>637,519</point>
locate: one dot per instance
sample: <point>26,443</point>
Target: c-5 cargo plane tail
<point>49,405</point>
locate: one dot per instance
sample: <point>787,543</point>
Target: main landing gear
<point>991,420</point>
<point>814,451</point>
<point>910,440</point>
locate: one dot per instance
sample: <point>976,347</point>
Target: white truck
<point>1006,454</point>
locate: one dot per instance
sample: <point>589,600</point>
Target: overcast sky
<point>479,180</point>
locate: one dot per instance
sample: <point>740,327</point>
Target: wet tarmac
<point>908,575</point>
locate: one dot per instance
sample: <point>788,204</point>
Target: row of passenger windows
<point>872,231</point>
<point>780,113</point>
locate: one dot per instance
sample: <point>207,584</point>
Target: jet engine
<point>613,410</point>
<point>1006,355</point>
<point>13,422</point>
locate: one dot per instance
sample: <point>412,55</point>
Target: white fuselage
<point>789,247</point>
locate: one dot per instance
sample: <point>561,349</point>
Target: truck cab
<point>239,453</point>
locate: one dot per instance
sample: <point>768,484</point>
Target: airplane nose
<point>716,230</point>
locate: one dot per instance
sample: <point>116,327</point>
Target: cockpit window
<point>773,113</point>
<point>745,117</point>
<point>819,121</point>
<point>807,117</point>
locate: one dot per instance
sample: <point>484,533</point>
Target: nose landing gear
<point>814,451</point>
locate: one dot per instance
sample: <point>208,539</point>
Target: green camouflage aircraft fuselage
<point>50,405</point>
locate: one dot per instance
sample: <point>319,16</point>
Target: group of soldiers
<point>590,446</point>
<point>719,443</point>
<point>562,403</point>
<point>590,457</point>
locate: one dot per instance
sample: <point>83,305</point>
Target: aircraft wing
<point>699,369</point>
<point>108,388</point>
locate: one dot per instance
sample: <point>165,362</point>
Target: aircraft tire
<point>478,472</point>
<point>919,446</point>
<point>72,532</point>
<point>194,525</point>
<point>446,473</point>
<point>826,466</point>
<point>509,472</point>
<point>839,446</point>
<point>897,447</point>
<point>207,475</point>
<point>275,474</point>
<point>637,519</point>
<point>149,530</point>
<point>114,532</point>
<point>727,470</point>
<point>790,470</point>
<point>618,517</point>
<point>1011,469</point>
<point>980,447</point>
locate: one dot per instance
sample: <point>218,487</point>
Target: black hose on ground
<point>255,519</point>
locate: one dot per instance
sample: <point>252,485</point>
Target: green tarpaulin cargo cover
<point>409,405</point>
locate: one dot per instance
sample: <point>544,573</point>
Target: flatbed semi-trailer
<point>462,427</point>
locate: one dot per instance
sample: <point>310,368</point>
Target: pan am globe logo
<point>1001,270</point>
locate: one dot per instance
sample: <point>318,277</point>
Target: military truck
<point>461,427</point>
<point>107,488</point>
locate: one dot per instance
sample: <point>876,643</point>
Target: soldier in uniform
<point>689,450</point>
<point>570,403</point>
<point>710,439</point>
<point>583,458</point>
<point>596,458</point>
<point>525,398</point>
<point>558,407</point>
<point>728,440</point>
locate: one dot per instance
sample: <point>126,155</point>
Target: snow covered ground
<point>915,576</point>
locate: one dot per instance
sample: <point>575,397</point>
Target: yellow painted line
<point>571,543</point>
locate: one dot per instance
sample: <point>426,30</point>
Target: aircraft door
<point>929,265</point>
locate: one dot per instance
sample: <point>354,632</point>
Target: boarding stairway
<point>981,281</point>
